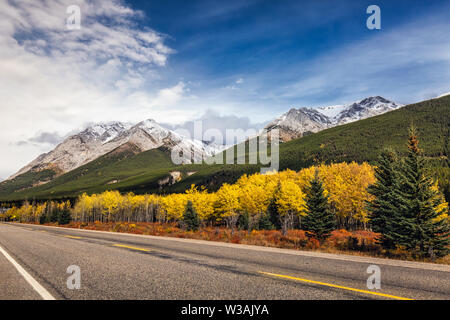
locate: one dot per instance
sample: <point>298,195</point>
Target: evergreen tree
<point>319,220</point>
<point>387,211</point>
<point>242,222</point>
<point>428,236</point>
<point>265,223</point>
<point>272,209</point>
<point>272,213</point>
<point>190,217</point>
<point>53,217</point>
<point>64,217</point>
<point>44,218</point>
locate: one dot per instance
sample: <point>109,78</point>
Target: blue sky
<point>233,64</point>
<point>276,47</point>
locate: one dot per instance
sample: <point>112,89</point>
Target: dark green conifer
<point>319,220</point>
<point>190,218</point>
<point>387,212</point>
<point>64,217</point>
<point>428,236</point>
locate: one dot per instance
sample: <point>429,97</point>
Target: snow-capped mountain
<point>297,122</point>
<point>99,139</point>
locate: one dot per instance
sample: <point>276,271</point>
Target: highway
<point>34,261</point>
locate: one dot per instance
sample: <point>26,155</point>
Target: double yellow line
<point>334,286</point>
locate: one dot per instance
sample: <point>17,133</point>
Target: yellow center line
<point>334,286</point>
<point>128,247</point>
<point>73,237</point>
<point>42,231</point>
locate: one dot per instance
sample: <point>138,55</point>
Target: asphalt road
<point>123,266</point>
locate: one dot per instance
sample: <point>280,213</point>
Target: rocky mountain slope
<point>299,122</point>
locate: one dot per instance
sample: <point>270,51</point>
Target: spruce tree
<point>319,220</point>
<point>44,218</point>
<point>242,222</point>
<point>272,213</point>
<point>190,217</point>
<point>428,236</point>
<point>265,223</point>
<point>54,214</point>
<point>272,209</point>
<point>64,217</point>
<point>387,212</point>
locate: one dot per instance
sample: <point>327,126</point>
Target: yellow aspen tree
<point>290,201</point>
<point>228,205</point>
<point>110,202</point>
<point>254,196</point>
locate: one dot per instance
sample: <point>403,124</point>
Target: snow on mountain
<point>156,136</point>
<point>332,111</point>
<point>298,122</point>
<point>100,139</point>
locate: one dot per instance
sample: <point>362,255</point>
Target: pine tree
<point>272,213</point>
<point>44,218</point>
<point>265,223</point>
<point>428,236</point>
<point>387,212</point>
<point>53,217</point>
<point>320,220</point>
<point>190,217</point>
<point>242,222</point>
<point>64,217</point>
